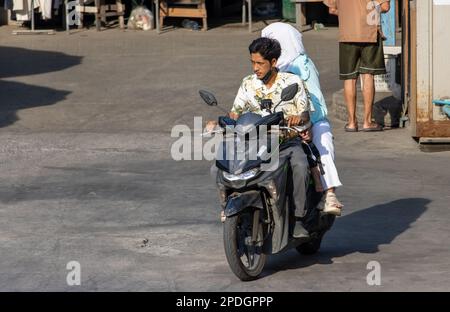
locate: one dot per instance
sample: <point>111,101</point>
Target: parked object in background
<point>265,9</point>
<point>318,26</point>
<point>101,11</point>
<point>181,8</point>
<point>288,10</point>
<point>300,12</point>
<point>190,24</point>
<point>25,12</point>
<point>140,18</point>
<point>445,105</point>
<point>445,101</point>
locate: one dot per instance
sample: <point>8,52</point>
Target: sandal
<point>372,128</point>
<point>332,204</point>
<point>348,129</point>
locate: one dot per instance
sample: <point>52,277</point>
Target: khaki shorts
<point>357,58</point>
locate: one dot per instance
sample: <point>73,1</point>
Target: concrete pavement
<point>87,173</point>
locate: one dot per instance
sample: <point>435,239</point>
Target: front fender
<point>241,201</point>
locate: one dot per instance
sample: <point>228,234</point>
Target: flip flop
<point>372,129</point>
<point>347,129</point>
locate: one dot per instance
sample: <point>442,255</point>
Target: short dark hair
<point>268,48</point>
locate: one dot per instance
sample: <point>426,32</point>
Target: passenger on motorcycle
<point>294,59</point>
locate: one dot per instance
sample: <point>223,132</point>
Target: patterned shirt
<point>253,90</point>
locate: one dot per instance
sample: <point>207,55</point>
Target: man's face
<point>260,65</point>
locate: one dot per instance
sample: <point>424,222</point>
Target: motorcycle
<point>258,205</point>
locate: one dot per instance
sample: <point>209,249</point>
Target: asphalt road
<point>87,174</point>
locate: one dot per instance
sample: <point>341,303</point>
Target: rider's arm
<point>301,104</point>
<point>301,99</point>
<point>239,102</point>
<point>236,110</point>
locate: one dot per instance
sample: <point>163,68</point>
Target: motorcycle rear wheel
<point>313,246</point>
<point>245,259</point>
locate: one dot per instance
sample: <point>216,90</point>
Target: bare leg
<point>368,94</point>
<point>350,100</point>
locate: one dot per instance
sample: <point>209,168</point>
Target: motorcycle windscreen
<point>237,154</point>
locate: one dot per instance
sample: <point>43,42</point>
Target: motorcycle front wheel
<point>245,258</point>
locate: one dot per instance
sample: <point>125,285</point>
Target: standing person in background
<point>360,53</point>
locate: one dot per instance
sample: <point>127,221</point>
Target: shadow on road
<point>15,96</point>
<point>362,231</point>
<point>16,62</point>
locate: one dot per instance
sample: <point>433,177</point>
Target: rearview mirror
<point>289,92</point>
<point>208,97</point>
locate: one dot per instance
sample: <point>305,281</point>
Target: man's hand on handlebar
<point>233,115</point>
<point>293,121</point>
<point>210,125</point>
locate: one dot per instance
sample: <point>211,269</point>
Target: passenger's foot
<point>332,204</point>
<point>300,231</point>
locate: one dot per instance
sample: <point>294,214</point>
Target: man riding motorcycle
<point>267,83</point>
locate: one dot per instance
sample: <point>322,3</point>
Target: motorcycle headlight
<point>243,176</point>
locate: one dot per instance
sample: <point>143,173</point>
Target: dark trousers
<point>300,176</point>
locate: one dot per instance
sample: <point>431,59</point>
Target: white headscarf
<point>290,40</point>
